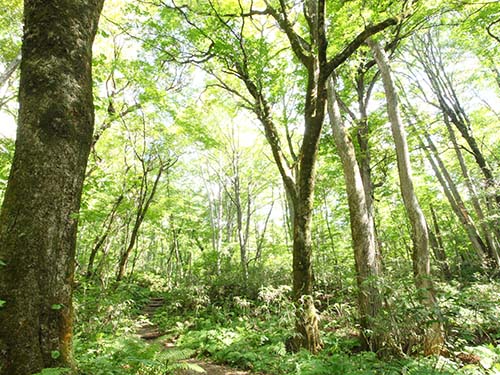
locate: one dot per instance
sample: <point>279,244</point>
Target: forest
<point>270,187</point>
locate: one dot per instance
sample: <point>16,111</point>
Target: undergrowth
<point>249,331</point>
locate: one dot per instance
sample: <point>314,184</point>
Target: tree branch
<point>356,43</point>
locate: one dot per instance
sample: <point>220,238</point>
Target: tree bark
<point>362,230</point>
<point>454,198</point>
<point>37,221</point>
<point>433,338</point>
<point>487,229</point>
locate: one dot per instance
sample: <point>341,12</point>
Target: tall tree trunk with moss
<point>38,219</point>
<point>362,230</point>
<point>433,336</point>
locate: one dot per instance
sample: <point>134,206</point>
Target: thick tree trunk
<point>300,194</point>
<point>433,339</point>
<point>362,230</point>
<point>37,221</point>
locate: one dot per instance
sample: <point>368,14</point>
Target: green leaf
<point>2,302</point>
<point>56,306</point>
<point>55,354</point>
<point>54,371</point>
<point>2,263</point>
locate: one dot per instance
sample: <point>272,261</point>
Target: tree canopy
<point>307,186</point>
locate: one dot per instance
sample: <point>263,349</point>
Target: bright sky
<point>7,126</point>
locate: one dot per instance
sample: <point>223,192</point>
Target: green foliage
<point>252,333</point>
<point>54,371</point>
<point>128,355</point>
<point>105,341</point>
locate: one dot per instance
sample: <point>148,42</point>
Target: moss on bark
<point>37,224</point>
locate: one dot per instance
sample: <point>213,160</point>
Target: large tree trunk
<point>433,339</point>
<point>362,230</point>
<point>37,221</point>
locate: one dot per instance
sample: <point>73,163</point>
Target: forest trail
<point>149,331</point>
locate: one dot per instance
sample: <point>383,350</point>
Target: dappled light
<point>240,187</point>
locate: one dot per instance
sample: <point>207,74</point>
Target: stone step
<point>161,299</point>
<point>151,335</point>
<point>154,304</point>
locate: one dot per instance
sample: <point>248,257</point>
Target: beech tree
<point>433,337</point>
<point>362,229</point>
<point>235,42</point>
<point>38,217</point>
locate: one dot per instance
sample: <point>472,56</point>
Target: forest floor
<point>150,332</point>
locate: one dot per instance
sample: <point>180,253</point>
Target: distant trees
<point>38,219</point>
<point>238,59</point>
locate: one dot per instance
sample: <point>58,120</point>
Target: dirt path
<point>149,331</point>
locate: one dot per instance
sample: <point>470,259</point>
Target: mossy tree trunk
<point>362,229</point>
<point>38,218</point>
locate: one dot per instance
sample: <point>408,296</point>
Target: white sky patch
<point>8,126</point>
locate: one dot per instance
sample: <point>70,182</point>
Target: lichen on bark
<point>37,224</point>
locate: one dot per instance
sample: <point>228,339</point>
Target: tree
<point>38,219</point>
<point>298,174</point>
<point>362,229</point>
<point>433,337</point>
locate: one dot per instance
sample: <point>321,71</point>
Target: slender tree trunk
<point>362,230</point>
<point>99,242</point>
<point>144,203</point>
<point>433,339</point>
<point>37,221</point>
<point>363,134</point>
<point>454,198</point>
<point>492,246</point>
<point>442,85</point>
<point>439,247</point>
